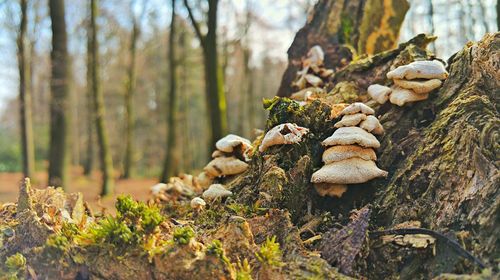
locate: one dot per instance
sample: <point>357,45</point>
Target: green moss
<point>183,235</point>
<point>244,271</point>
<point>215,249</point>
<point>345,92</point>
<point>15,267</point>
<point>134,222</point>
<point>56,247</point>
<point>347,29</point>
<point>270,253</point>
<point>148,217</point>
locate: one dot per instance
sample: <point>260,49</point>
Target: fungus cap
<point>333,190</point>
<point>379,93</point>
<point>351,135</point>
<point>349,171</point>
<point>286,133</point>
<point>315,55</point>
<point>425,69</point>
<point>223,166</point>
<point>197,203</point>
<point>231,141</point>
<point>313,80</point>
<point>372,125</point>
<point>350,120</point>
<point>204,179</point>
<point>419,86</point>
<point>357,107</point>
<point>158,188</point>
<point>401,96</point>
<point>216,191</point>
<point>339,153</point>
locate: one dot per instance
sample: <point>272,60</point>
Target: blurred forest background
<point>131,80</point>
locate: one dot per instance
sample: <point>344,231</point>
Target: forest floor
<point>138,188</point>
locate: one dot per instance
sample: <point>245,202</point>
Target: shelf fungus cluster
<point>228,159</point>
<point>184,185</point>
<point>313,71</point>
<point>412,82</point>
<point>350,156</point>
<point>283,134</point>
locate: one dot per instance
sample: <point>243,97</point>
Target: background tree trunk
<point>169,165</point>
<point>129,95</point>
<point>27,144</point>
<point>98,101</point>
<point>214,85</point>
<point>89,160</point>
<point>345,29</point>
<point>58,155</point>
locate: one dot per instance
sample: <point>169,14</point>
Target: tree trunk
<point>214,85</point>
<point>345,29</point>
<point>129,95</point>
<point>26,126</point>
<point>89,160</point>
<point>58,154</point>
<point>99,112</point>
<point>170,164</point>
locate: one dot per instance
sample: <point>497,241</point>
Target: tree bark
<point>345,29</point>
<point>26,124</point>
<point>170,163</point>
<point>214,86</point>
<point>58,154</point>
<point>99,111</point>
<point>129,95</point>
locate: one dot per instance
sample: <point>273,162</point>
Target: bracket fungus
<point>223,166</point>
<point>379,93</point>
<point>424,69</point>
<point>357,107</point>
<point>231,142</point>
<point>352,135</point>
<point>419,86</point>
<point>350,120</point>
<point>401,96</point>
<point>339,153</point>
<point>313,71</point>
<point>412,82</point>
<point>349,158</point>
<point>228,159</point>
<point>216,191</point>
<point>283,134</point>
<point>372,124</point>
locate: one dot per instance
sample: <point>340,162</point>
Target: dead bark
<point>345,29</point>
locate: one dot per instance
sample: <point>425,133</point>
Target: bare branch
<point>196,26</point>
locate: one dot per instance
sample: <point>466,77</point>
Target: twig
<point>439,236</point>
